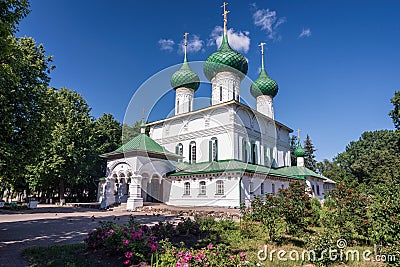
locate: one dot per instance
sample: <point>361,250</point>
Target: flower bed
<point>135,243</point>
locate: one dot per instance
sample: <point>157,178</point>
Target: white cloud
<point>268,21</point>
<point>305,33</point>
<point>166,44</point>
<point>195,44</point>
<point>239,41</point>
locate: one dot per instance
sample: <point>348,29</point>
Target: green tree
<point>107,133</point>
<point>266,211</point>
<point>373,159</point>
<point>24,72</point>
<point>295,206</point>
<point>309,157</point>
<point>395,112</point>
<point>293,146</point>
<point>66,157</point>
<point>345,212</point>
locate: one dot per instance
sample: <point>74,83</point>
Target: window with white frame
<point>202,188</point>
<point>220,187</point>
<point>262,189</point>
<point>213,149</point>
<point>192,152</point>
<point>179,150</point>
<point>273,189</point>
<point>186,188</point>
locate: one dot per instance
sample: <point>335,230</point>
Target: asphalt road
<point>52,225</point>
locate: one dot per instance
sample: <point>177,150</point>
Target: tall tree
<point>395,112</point>
<point>293,146</point>
<point>309,157</point>
<point>24,72</point>
<point>373,159</point>
<point>107,137</point>
<point>67,154</point>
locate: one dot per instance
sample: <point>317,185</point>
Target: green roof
<point>264,85</point>
<point>299,172</point>
<point>225,59</point>
<point>235,165</point>
<point>142,142</point>
<point>185,77</point>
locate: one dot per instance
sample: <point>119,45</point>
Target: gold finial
<point>185,44</point>
<point>298,134</point>
<point>262,54</point>
<point>225,17</point>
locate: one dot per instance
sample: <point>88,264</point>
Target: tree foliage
<point>24,72</point>
<point>309,157</point>
<point>293,146</point>
<point>395,112</point>
<point>295,206</point>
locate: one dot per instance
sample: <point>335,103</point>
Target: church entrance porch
<point>152,188</point>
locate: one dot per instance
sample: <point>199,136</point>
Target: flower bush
<point>216,256</point>
<point>136,243</point>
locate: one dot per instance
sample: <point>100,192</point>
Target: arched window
<point>213,149</point>
<point>220,93</point>
<point>202,188</point>
<point>273,189</point>
<point>179,150</point>
<point>254,158</point>
<point>262,188</point>
<point>266,159</point>
<point>318,190</point>
<point>251,188</point>
<point>186,189</point>
<point>245,151</point>
<point>233,90</point>
<point>220,187</point>
<point>177,106</point>
<point>313,189</point>
<point>282,186</point>
<point>192,152</point>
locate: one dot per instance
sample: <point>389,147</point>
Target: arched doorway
<point>153,189</point>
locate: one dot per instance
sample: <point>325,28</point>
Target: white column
<point>183,100</point>
<point>109,193</point>
<point>265,105</point>
<point>135,199</point>
<point>225,87</point>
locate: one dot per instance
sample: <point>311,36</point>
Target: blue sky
<point>337,62</point>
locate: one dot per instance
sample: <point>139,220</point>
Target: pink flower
<point>127,262</point>
<point>128,254</point>
<point>243,255</point>
<point>210,246</point>
<point>126,242</point>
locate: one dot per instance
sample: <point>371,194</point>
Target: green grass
<point>73,255</point>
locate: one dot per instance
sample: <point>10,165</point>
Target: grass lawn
<point>74,255</point>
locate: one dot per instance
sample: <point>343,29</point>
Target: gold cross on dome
<point>262,47</point>
<point>225,16</point>
<point>185,38</point>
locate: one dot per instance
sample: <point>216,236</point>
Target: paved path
<point>51,225</point>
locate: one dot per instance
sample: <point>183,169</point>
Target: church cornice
<point>225,104</point>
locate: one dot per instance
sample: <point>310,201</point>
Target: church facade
<point>222,155</point>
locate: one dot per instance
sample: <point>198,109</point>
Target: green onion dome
<point>225,59</point>
<point>299,151</point>
<point>264,85</point>
<point>185,77</point>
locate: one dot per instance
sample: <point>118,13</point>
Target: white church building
<point>222,155</point>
